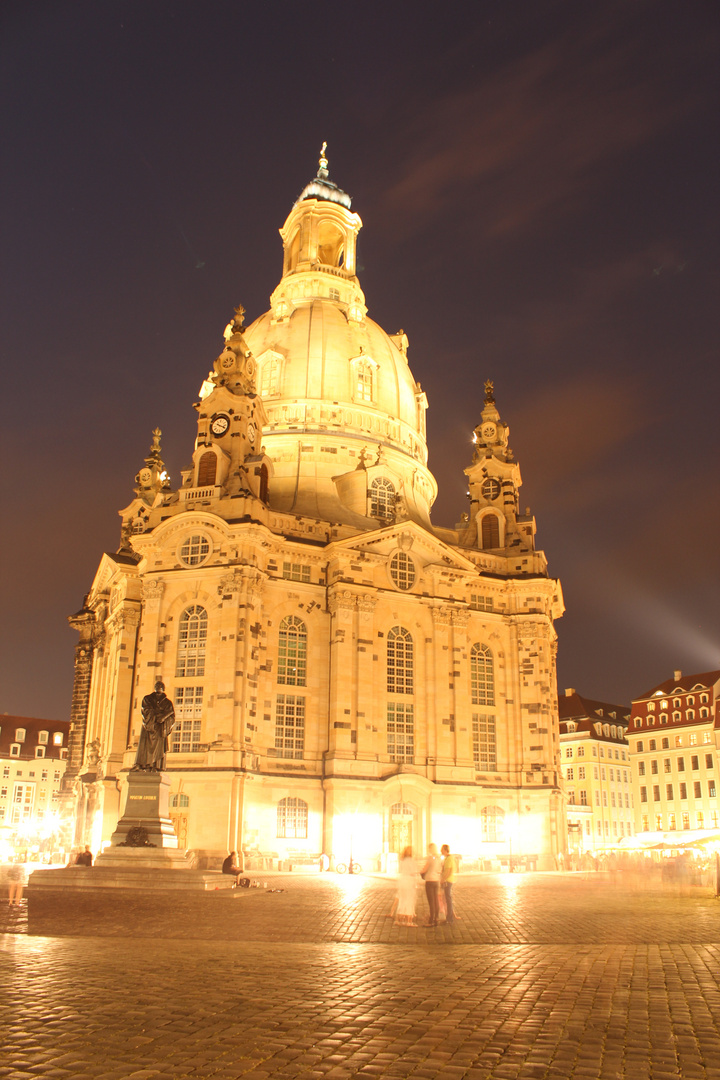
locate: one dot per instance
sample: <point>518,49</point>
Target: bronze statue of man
<point>158,720</point>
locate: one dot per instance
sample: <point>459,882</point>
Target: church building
<point>348,678</point>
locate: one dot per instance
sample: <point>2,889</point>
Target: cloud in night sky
<point>537,136</point>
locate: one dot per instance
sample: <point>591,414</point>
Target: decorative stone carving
<point>442,616</point>
<point>341,602</point>
<point>152,590</point>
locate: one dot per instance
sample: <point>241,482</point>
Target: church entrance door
<point>402,816</point>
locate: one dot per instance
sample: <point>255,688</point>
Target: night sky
<point>538,183</point>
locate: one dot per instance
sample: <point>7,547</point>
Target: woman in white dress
<point>407,886</point>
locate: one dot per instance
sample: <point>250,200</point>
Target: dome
<point>337,389</point>
<point>317,371</point>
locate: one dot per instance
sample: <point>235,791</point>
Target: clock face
<point>488,431</point>
<point>490,490</point>
<point>145,476</point>
<point>219,425</point>
<point>250,367</point>
<point>251,432</point>
<point>228,361</point>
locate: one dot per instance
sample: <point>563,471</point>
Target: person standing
<point>16,881</point>
<point>405,902</point>
<point>447,880</point>
<point>84,858</point>
<point>430,873</point>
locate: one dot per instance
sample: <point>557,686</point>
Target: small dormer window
<point>651,706</point>
<point>43,737</point>
<point>703,699</point>
<point>663,704</point>
<point>57,738</point>
<point>20,734</point>
<point>39,751</point>
<point>334,294</point>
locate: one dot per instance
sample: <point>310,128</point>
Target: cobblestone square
<point>544,976</point>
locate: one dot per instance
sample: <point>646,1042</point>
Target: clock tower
<point>228,453</point>
<point>494,482</point>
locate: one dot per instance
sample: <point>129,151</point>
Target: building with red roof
<point>674,738</point>
<point>596,771</point>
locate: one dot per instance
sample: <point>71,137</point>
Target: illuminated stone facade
<point>33,756</point>
<point>596,771</point>
<point>348,679</point>
<point>674,741</point>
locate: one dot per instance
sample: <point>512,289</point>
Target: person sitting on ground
<point>231,865</point>
<point>84,858</point>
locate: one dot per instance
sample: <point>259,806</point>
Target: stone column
<point>85,622</point>
<point>342,604</point>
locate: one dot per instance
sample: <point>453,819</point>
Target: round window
<point>194,550</point>
<point>402,571</point>
<point>490,490</point>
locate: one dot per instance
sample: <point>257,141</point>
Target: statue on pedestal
<point>158,720</point>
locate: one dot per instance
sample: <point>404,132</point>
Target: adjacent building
<point>596,772</point>
<point>33,756</point>
<point>348,678</point>
<point>674,738</point>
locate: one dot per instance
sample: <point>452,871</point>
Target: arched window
<point>207,469</point>
<point>363,381</point>
<point>292,819</point>
<point>179,801</point>
<point>382,498</point>
<point>270,376</point>
<point>292,652</point>
<point>192,638</point>
<point>330,244</point>
<point>490,532</point>
<point>482,676</point>
<point>400,661</point>
<point>492,824</point>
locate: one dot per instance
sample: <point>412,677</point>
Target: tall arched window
<point>269,376</point>
<point>207,469</point>
<point>363,381</point>
<point>292,819</point>
<point>400,661</point>
<point>192,639</point>
<point>292,652</point>
<point>382,498</point>
<point>492,824</point>
<point>490,532</point>
<point>482,675</point>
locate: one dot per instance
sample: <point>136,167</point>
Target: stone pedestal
<point>143,853</point>
<point>144,837</point>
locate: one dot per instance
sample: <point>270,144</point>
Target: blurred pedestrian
<point>84,858</point>
<point>430,874</point>
<point>447,880</point>
<point>406,889</point>
<point>16,881</point>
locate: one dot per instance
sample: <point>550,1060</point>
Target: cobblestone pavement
<point>544,977</point>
